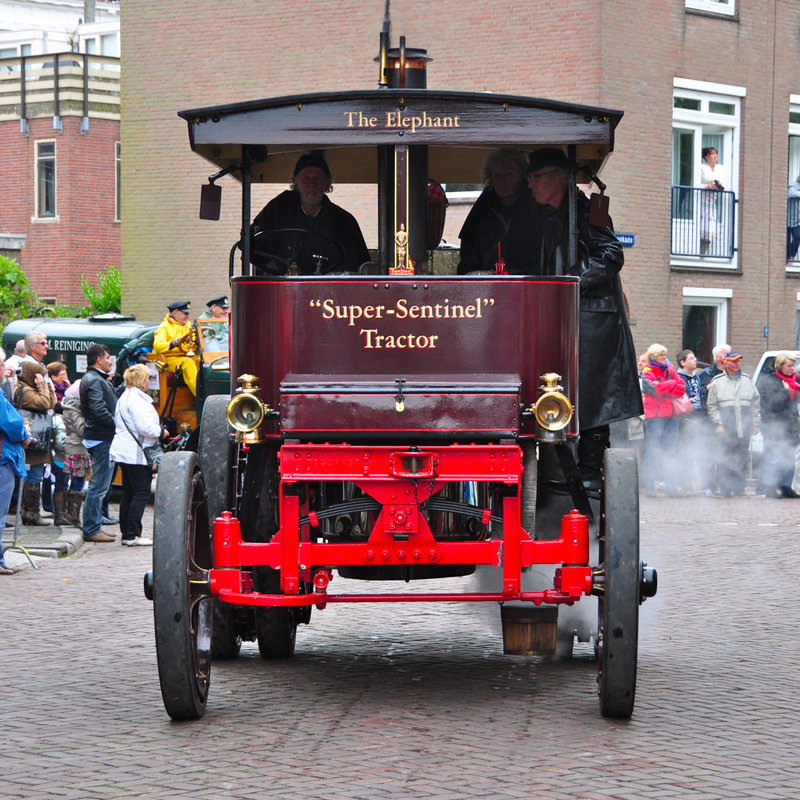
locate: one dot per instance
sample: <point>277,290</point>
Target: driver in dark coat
<point>608,389</point>
<point>334,240</point>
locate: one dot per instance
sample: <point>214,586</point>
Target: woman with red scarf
<point>780,394</point>
<point>660,422</point>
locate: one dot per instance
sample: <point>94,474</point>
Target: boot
<point>74,503</point>
<point>46,498</point>
<point>59,509</point>
<point>30,505</point>
<point>592,445</point>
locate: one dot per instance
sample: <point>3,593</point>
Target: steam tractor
<point>391,421</point>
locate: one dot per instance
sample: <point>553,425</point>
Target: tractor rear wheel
<point>214,452</point>
<point>618,607</point>
<point>182,602</point>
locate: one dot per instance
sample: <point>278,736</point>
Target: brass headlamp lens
<point>245,411</point>
<point>553,410</point>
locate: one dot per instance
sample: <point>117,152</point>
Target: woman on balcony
<point>793,220</point>
<point>709,180</point>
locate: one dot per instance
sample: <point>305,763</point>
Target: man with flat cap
<point>213,325</point>
<point>174,339</point>
<point>305,229</point>
<point>608,389</point>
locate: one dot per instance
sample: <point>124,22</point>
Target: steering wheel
<point>308,251</point>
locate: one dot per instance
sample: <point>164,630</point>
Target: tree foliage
<point>16,298</point>
<point>108,295</point>
<point>18,301</point>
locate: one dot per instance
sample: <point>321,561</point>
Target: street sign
<point>626,239</point>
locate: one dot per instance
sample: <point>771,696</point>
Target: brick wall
<point>620,54</point>
<point>83,238</point>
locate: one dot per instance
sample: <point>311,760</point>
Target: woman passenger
<point>499,224</point>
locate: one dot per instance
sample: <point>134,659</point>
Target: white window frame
<point>117,181</point>
<point>794,158</point>
<point>794,131</point>
<point>797,322</point>
<point>725,125</point>
<point>722,7</point>
<point>50,217</point>
<point>715,298</point>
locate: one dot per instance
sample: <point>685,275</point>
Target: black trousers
<point>135,494</point>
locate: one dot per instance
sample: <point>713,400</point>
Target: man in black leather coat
<point>608,389</point>
<point>98,402</point>
<point>304,228</point>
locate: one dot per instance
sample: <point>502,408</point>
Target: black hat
<point>547,157</point>
<point>180,305</point>
<point>312,159</point>
<point>221,301</point>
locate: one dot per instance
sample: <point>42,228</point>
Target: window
<point>727,7</point>
<point>704,115</point>
<point>462,193</point>
<point>705,320</point>
<point>797,323</point>
<point>793,201</point>
<point>118,171</point>
<point>15,52</point>
<point>45,179</point>
<point>109,45</point>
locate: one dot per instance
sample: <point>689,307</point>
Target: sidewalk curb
<point>68,541</point>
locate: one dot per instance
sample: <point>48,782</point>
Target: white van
<point>768,359</point>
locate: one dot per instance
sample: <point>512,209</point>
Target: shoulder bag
<point>39,425</point>
<point>681,405</point>
<point>152,453</point>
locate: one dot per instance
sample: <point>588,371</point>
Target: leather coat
<point>608,387</point>
<point>488,225</point>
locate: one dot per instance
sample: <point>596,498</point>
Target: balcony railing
<point>703,223</point>
<point>793,229</point>
<point>59,84</point>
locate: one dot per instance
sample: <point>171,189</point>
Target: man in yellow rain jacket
<point>174,339</point>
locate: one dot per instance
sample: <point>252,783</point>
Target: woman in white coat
<point>137,427</point>
<point>710,174</point>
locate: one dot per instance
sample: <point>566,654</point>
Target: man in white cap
<point>734,407</point>
<point>174,339</point>
<point>213,325</point>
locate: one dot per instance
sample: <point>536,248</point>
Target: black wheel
<point>618,607</point>
<point>276,628</point>
<point>181,599</point>
<point>530,477</point>
<point>312,252</point>
<point>213,450</point>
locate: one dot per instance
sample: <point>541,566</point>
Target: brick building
<point>688,74</point>
<point>59,139</point>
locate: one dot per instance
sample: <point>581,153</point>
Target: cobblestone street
<point>418,701</point>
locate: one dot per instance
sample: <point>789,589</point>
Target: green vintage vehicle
<point>129,341</point>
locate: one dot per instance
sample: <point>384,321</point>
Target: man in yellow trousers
<point>174,339</point>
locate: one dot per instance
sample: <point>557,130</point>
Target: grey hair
<point>30,338</point>
<point>720,350</point>
<point>515,157</point>
<point>2,354</point>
